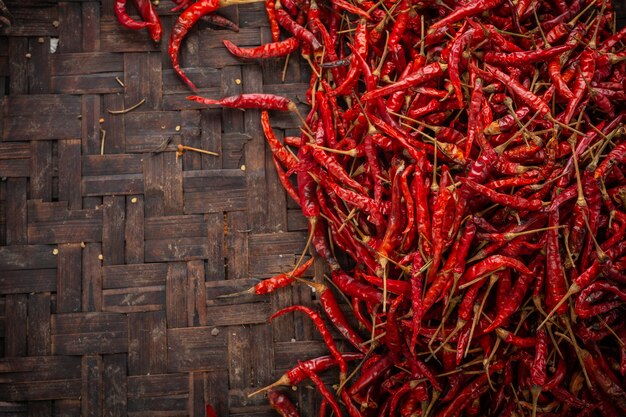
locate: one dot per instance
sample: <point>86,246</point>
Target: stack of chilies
<point>468,157</point>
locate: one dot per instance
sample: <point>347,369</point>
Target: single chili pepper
<point>124,19</point>
<point>326,335</point>
<point>417,304</point>
<point>278,149</point>
<point>506,123</point>
<point>490,265</point>
<point>394,286</point>
<point>344,5</point>
<point>512,339</point>
<point>587,66</point>
<point>525,57</point>
<point>335,169</point>
<point>503,199</point>
<point>336,316</point>
<point>422,212</point>
<point>148,14</point>
<point>617,155</point>
<point>534,102</point>
<point>183,24</point>
<point>421,76</point>
<point>268,50</point>
<point>394,226</point>
<point>281,280</point>
<point>393,336</point>
<point>249,101</point>
<point>271,17</point>
<point>554,70</point>
<point>538,370</point>
<point>463,12</point>
<point>281,403</point>
<point>299,373</point>
<point>220,21</point>
<point>474,127</point>
<point>285,182</point>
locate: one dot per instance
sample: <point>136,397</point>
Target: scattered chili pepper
<point>249,101</point>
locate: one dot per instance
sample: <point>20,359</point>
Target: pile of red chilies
<point>466,160</point>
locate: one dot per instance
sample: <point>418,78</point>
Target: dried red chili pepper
<point>249,101</point>
<point>124,19</point>
<point>149,14</point>
<point>268,50</point>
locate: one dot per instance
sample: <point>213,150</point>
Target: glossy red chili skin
<point>124,19</point>
<point>149,14</point>
<point>297,30</point>
<point>183,24</point>
<point>349,286</point>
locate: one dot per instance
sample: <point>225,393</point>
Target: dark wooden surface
<point>111,254</point>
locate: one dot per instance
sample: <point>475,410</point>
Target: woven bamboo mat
<point>112,250</point>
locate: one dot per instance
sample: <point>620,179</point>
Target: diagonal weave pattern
<point>111,253</point>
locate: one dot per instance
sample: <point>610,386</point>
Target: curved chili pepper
<point>492,264</point>
<point>326,335</point>
<point>149,14</point>
<point>321,388</point>
<point>300,33</point>
<point>124,19</point>
<point>220,21</point>
<point>183,24</point>
<point>336,316</point>
<point>284,181</point>
<point>278,149</point>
